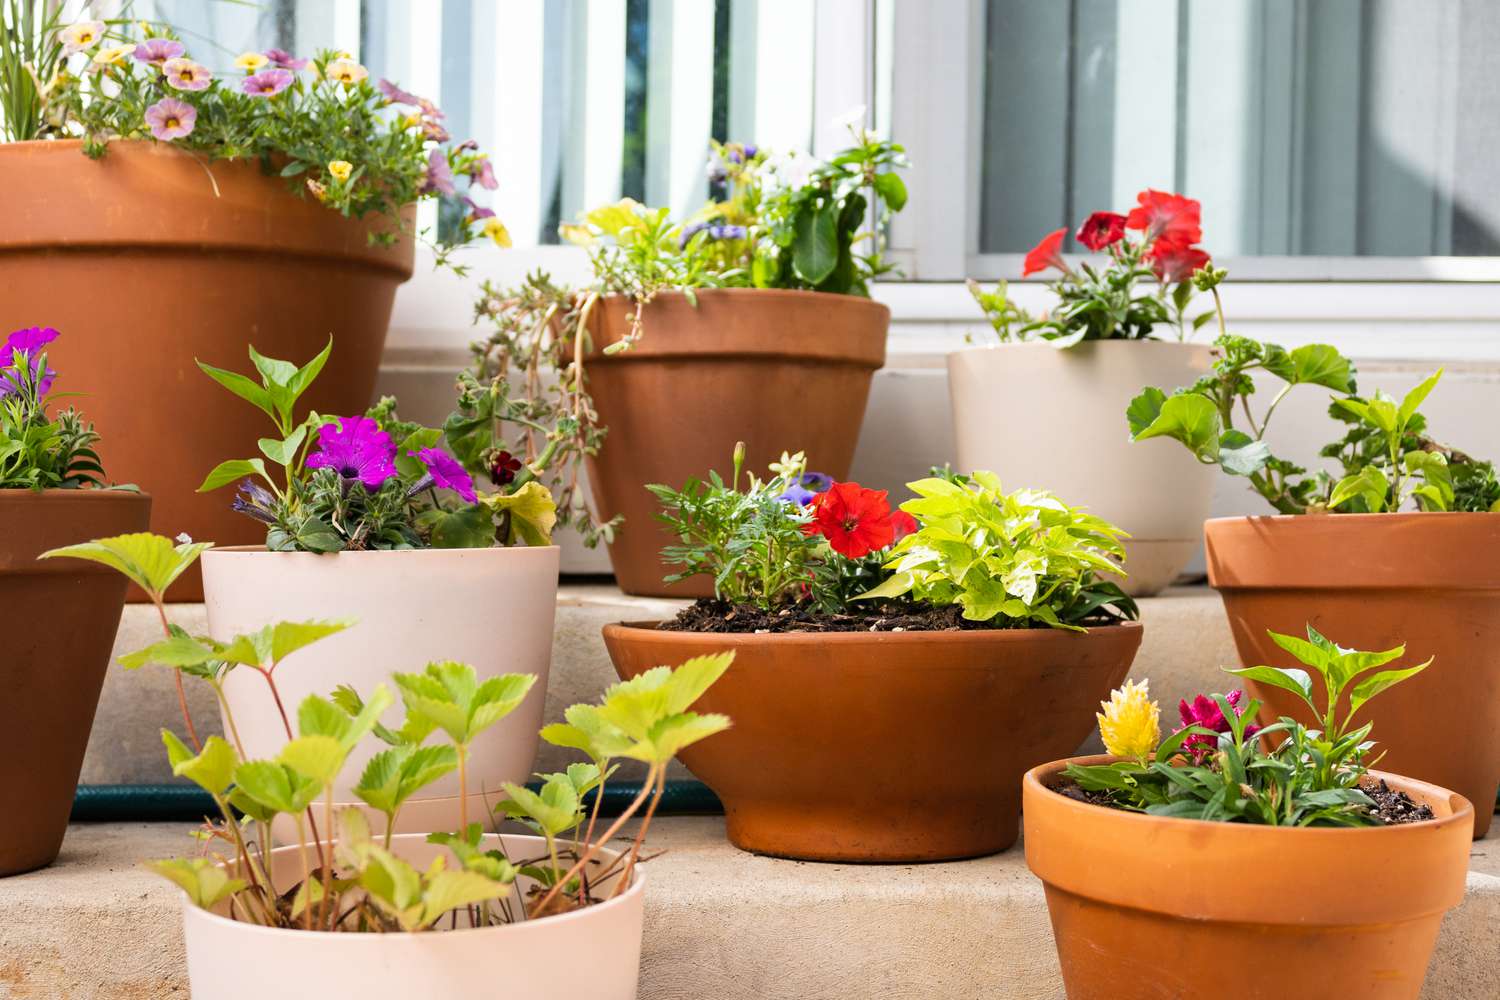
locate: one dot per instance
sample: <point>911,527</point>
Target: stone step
<point>719,923</point>
<point>1186,641</point>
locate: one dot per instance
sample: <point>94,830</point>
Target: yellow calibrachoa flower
<point>345,71</point>
<point>250,61</point>
<point>1130,724</point>
<point>495,230</point>
<point>340,169</point>
<point>113,56</point>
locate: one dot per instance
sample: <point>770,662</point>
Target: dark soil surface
<point>1395,807</point>
<point>1072,791</point>
<point>868,616</point>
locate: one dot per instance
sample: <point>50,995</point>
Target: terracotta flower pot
<point>1155,490</point>
<point>905,746</point>
<point>779,370</point>
<point>1146,907</point>
<point>491,608</point>
<point>594,952</point>
<point>61,619</point>
<point>149,258</point>
<point>1374,581</point>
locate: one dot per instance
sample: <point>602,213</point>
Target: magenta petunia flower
<point>396,95</point>
<point>184,74</point>
<point>1204,711</point>
<point>439,174</point>
<point>283,59</point>
<point>446,473</point>
<point>29,340</point>
<point>355,448</point>
<point>171,119</point>
<point>267,83</point>
<point>157,51</point>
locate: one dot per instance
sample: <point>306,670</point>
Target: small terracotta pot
<point>1374,581</point>
<point>62,615</point>
<point>149,258</point>
<point>594,952</point>
<point>491,608</point>
<point>1155,490</point>
<point>885,746</point>
<point>1146,907</point>
<point>780,370</point>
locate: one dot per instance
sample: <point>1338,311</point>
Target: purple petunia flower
<point>689,232</point>
<point>158,50</point>
<point>283,59</point>
<point>355,448</point>
<point>439,174</point>
<point>446,472</point>
<point>254,501</point>
<point>29,340</point>
<point>726,232</point>
<point>171,119</point>
<point>806,488</point>
<point>395,94</point>
<point>267,83</point>
<point>750,150</point>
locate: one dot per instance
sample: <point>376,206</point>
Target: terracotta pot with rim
<point>492,608</point>
<point>885,746</point>
<point>1153,489</point>
<point>780,370</point>
<point>1375,581</point>
<point>535,959</point>
<point>62,615</point>
<point>149,258</point>
<point>1145,907</point>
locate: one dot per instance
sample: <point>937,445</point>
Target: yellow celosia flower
<point>340,169</point>
<point>495,230</point>
<point>345,71</point>
<point>250,61</point>
<point>1130,724</point>
<point>113,55</point>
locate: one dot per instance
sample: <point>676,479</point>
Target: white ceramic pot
<point>594,952</point>
<point>1054,419</point>
<point>491,608</point>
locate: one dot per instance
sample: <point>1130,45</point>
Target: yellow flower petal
<point>250,61</point>
<point>1130,724</point>
<point>340,169</point>
<point>495,230</point>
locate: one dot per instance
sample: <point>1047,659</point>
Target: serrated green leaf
<point>317,757</point>
<point>176,651</point>
<point>203,879</point>
<point>212,769</point>
<point>151,561</point>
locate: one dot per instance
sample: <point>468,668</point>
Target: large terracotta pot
<point>779,370</point>
<point>491,608</point>
<point>1374,581</point>
<point>61,616</point>
<point>1146,907</point>
<point>885,746</point>
<point>149,258</point>
<point>594,952</point>
<point>1153,489</point>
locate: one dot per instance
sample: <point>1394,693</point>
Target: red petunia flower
<point>1168,217</point>
<point>1101,229</point>
<point>903,523</point>
<point>856,521</point>
<point>1174,262</point>
<point>1046,254</point>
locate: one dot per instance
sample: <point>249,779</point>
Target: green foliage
<point>451,697</point>
<point>203,879</point>
<point>151,562</point>
<point>1310,778</point>
<point>30,54</point>
<point>37,451</point>
<point>1019,560</point>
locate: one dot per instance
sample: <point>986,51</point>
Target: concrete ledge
<point>719,923</point>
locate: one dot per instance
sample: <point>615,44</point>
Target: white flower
<point>853,118</point>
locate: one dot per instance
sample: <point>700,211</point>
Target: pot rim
<point>806,295</point>
<point>629,896</point>
<point>1354,520</point>
<point>1463,810</point>
<point>73,496</point>
<point>1114,344</point>
<point>250,551</point>
<point>958,637</point>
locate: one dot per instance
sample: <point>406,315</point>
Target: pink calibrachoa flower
<point>184,74</point>
<point>1204,711</point>
<point>157,51</point>
<point>267,83</point>
<point>355,448</point>
<point>477,212</point>
<point>171,119</point>
<point>439,174</point>
<point>483,173</point>
<point>446,473</point>
<point>29,340</point>
<point>395,94</point>
<point>283,59</point>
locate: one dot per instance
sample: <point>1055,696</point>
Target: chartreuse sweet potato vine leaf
<point>151,562</point>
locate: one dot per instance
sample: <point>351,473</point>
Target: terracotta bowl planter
<point>779,370</point>
<point>593,953</point>
<point>145,266</point>
<point>492,608</point>
<point>1374,581</point>
<point>885,746</point>
<point>62,615</point>
<point>1155,490</point>
<point>1145,907</point>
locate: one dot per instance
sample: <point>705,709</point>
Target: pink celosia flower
<point>171,119</point>
<point>1204,712</point>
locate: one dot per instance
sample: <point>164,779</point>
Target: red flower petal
<point>856,521</point>
<point>1167,216</point>
<point>1046,254</point>
<point>1174,261</point>
<point>1101,230</point>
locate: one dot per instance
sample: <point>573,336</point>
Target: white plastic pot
<point>491,608</point>
<point>1054,419</point>
<point>594,952</point>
